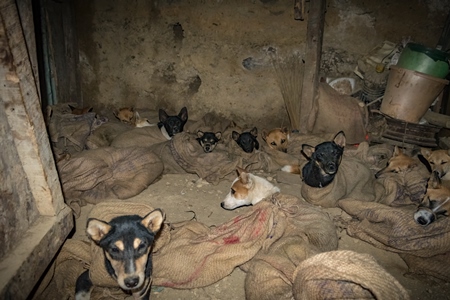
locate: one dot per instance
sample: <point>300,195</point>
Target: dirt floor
<point>179,195</point>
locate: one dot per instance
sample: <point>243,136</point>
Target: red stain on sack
<point>231,240</point>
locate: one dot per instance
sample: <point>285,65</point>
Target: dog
<point>171,125</point>
<point>398,163</point>
<point>140,122</point>
<point>247,189</point>
<point>125,114</point>
<point>126,242</point>
<point>208,140</point>
<point>439,161</point>
<point>80,111</point>
<point>436,202</point>
<point>323,161</point>
<point>277,138</point>
<point>247,140</point>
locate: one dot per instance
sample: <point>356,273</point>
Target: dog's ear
<point>339,139</point>
<point>162,115</point>
<point>71,107</point>
<point>154,220</point>
<point>256,144</point>
<point>183,115</point>
<point>235,135</point>
<point>131,108</point>
<point>425,152</point>
<point>218,135</point>
<point>244,178</point>
<point>254,131</point>
<point>200,133</point>
<point>90,109</point>
<point>116,113</point>
<point>308,150</point>
<point>97,229</point>
<point>434,182</point>
<point>284,130</point>
<point>397,151</point>
<point>136,115</point>
<point>264,135</point>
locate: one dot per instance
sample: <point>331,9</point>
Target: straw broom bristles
<point>289,73</point>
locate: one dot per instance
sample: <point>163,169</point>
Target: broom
<point>289,74</point>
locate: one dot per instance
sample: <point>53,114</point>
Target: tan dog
<point>436,202</point>
<point>247,189</point>
<point>139,122</point>
<point>439,161</point>
<point>125,114</point>
<point>277,139</point>
<point>398,163</point>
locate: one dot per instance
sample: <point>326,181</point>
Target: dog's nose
<point>222,204</point>
<point>131,282</point>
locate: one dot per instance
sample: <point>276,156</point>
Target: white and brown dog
<point>247,189</point>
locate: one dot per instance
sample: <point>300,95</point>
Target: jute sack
<point>344,275</point>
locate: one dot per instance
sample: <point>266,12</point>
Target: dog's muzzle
<point>424,216</point>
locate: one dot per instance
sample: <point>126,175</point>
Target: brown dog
<point>436,202</point>
<point>277,138</point>
<point>439,161</point>
<point>80,111</point>
<point>399,162</point>
<point>125,114</point>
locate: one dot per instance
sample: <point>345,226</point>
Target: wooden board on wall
<point>34,209</point>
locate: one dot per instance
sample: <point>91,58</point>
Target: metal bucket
<point>409,94</point>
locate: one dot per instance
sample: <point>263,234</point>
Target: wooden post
<point>313,51</point>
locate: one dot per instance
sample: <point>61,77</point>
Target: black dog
<point>126,242</point>
<point>324,161</point>
<point>208,140</point>
<point>247,140</point>
<point>171,125</point>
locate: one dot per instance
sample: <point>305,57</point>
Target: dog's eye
<point>282,141</point>
<point>273,144</point>
<point>232,192</point>
<point>114,250</point>
<point>142,246</point>
<point>431,162</point>
<point>443,163</point>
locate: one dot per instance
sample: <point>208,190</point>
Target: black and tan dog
<point>436,202</point>
<point>323,161</point>
<point>126,242</point>
<point>208,140</point>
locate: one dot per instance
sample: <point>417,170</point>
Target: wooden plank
<point>21,269</point>
<point>21,103</point>
<point>313,51</point>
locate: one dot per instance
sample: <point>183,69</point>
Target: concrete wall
<point>173,53</point>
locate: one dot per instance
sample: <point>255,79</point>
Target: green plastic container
<point>416,57</point>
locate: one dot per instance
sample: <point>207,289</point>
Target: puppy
<point>247,140</point>
<point>247,189</point>
<point>439,161</point>
<point>398,163</point>
<point>171,125</point>
<point>323,161</point>
<point>126,242</point>
<point>80,111</point>
<point>208,140</point>
<point>277,139</point>
<point>436,202</point>
<point>125,114</point>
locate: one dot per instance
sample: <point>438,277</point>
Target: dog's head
<point>327,155</point>
<point>127,242</point>
<point>208,140</point>
<point>398,163</point>
<point>173,124</point>
<point>439,160</point>
<point>125,114</point>
<point>277,139</point>
<point>435,203</point>
<point>140,122</point>
<point>80,111</point>
<point>247,140</point>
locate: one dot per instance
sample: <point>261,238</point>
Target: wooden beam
<point>313,51</point>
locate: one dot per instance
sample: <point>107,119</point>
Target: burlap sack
<point>304,231</point>
<point>344,275</point>
<point>394,229</point>
<point>92,176</point>
<point>353,180</point>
